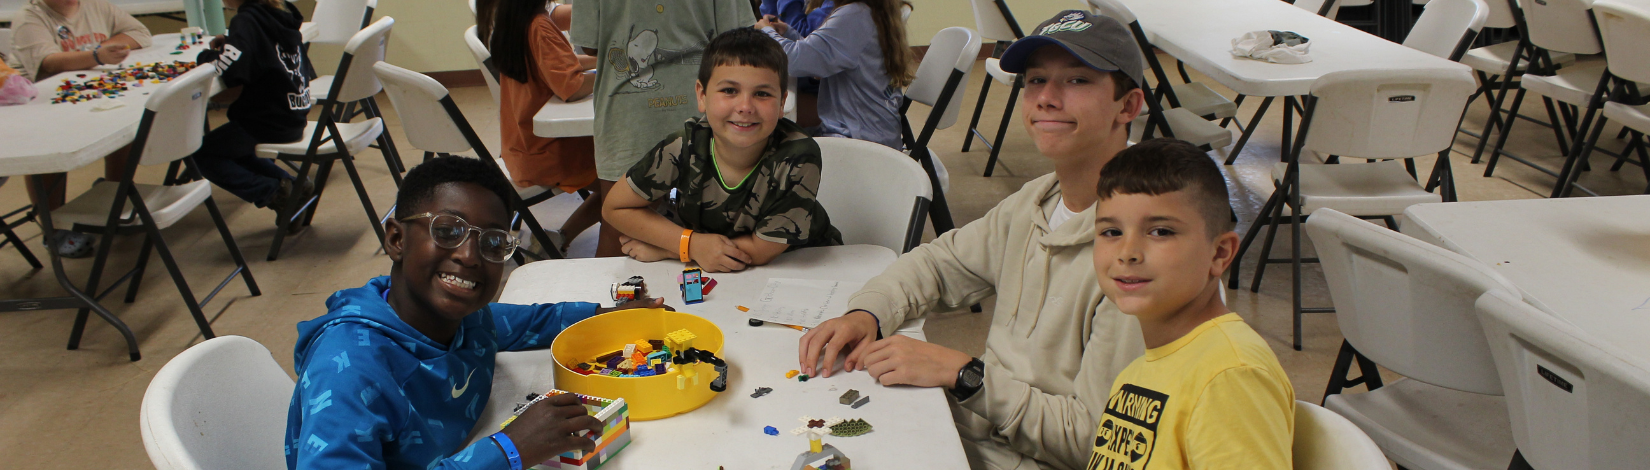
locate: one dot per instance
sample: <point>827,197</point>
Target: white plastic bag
<point>1278,47</point>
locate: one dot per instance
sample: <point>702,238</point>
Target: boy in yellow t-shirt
<point>1208,393</point>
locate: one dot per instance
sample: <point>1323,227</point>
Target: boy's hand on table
<point>548,428</point>
<point>638,303</point>
<point>901,360</point>
<point>849,333</point>
<point>717,254</point>
<point>643,251</point>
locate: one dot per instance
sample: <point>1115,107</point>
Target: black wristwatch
<point>969,380</point>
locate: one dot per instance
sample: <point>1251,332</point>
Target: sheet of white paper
<point>803,302</point>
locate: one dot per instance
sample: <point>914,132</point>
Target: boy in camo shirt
<point>745,177</point>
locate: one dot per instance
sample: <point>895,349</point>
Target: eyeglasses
<point>450,232</point>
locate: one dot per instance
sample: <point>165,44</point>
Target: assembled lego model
<point>629,290</point>
<point>693,285</point>
<point>614,436</point>
<point>820,456</point>
<point>681,341</point>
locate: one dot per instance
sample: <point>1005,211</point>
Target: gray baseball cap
<point>1100,42</point>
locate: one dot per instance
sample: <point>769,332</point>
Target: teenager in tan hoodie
<point>1033,399</point>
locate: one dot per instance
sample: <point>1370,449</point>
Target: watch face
<point>971,377</point>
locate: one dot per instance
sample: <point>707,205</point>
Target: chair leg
<point>1572,168</point>
<point>1295,259</point>
<point>137,274</point>
<point>979,107</point>
<point>1262,217</point>
<point>366,201</point>
<point>1271,234</point>
<point>322,175</point>
<point>1626,151</point>
<point>1237,102</point>
<point>43,192</point>
<point>16,241</point>
<point>1498,99</point>
<point>1368,375</point>
<point>105,243</point>
<point>234,248</point>
<point>386,144</point>
<point>1249,130</point>
<point>285,215</point>
<point>1002,128</point>
<point>1506,130</point>
<point>939,212</point>
<point>1518,462</point>
<point>172,266</point>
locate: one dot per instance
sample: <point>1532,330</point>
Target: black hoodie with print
<point>264,53</point>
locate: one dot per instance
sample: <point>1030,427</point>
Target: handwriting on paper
<point>803,302</point>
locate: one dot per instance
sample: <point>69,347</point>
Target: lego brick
<point>849,397</point>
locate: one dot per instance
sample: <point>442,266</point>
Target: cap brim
<point>1014,59</point>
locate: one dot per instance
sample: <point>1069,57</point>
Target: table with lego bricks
<point>43,136</point>
<point>912,426</point>
<point>46,137</point>
<point>1200,33</point>
<point>1584,260</point>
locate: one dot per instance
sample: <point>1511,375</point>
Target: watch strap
<point>963,391</point>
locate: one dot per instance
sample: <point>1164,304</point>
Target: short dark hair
<point>419,185</point>
<point>1161,166</point>
<point>744,46</point>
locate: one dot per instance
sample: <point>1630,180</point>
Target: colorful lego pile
<point>643,358</point>
<point>115,84</point>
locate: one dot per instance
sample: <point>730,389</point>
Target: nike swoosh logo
<point>457,391</point>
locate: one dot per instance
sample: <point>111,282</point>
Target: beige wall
<point>428,33</point>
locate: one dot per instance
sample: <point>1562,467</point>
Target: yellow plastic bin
<point>650,398</point>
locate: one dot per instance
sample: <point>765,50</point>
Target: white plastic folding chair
<point>219,404</point>
<point>1370,114</point>
<point>334,23</point>
<point>996,23</point>
<point>1498,73</point>
<point>170,130</point>
<point>11,236</point>
<point>940,77</point>
<point>330,140</point>
<point>1408,306</point>
<point>866,186</point>
<point>1625,28</point>
<point>1574,400</point>
<point>434,124</point>
<point>1326,441</point>
<point>1448,28</point>
<point>484,61</point>
<point>1562,26</point>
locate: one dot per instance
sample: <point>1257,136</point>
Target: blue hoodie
<point>375,393</point>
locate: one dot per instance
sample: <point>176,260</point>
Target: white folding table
<point>41,137</point>
<point>1200,33</point>
<point>913,427</point>
<point>1584,260</point>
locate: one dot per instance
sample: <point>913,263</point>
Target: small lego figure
<point>629,290</point>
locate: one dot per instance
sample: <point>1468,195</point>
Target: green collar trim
<point>721,180</point>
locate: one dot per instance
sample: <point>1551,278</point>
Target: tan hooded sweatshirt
<point>1055,344</point>
<point>40,31</point>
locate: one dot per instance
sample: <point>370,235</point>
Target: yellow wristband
<point>687,234</point>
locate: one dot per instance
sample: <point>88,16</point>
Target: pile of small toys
<point>189,37</point>
<point>614,436</point>
<point>643,358</point>
<point>115,84</point>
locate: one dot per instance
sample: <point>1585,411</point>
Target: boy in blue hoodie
<point>397,372</point>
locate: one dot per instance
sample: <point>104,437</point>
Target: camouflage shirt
<point>776,201</point>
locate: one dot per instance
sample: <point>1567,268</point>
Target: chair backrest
<point>6,45</point>
<point>1448,27</point>
<point>1317,7</point>
<point>1388,113</point>
<point>1625,28</point>
<point>219,404</point>
<point>1561,25</point>
<point>991,22</point>
<point>905,13</point>
<point>1326,441</point>
<point>1406,304</point>
<point>337,20</point>
<point>418,100</point>
<point>1115,10</point>
<point>484,61</point>
<point>174,117</point>
<point>874,194</point>
<point>1573,400</point>
<point>1501,14</point>
<point>951,52</point>
<point>357,81</point>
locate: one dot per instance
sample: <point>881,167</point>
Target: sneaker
<point>70,244</point>
<point>290,190</point>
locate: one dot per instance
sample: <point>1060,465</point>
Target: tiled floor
<point>82,406</point>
